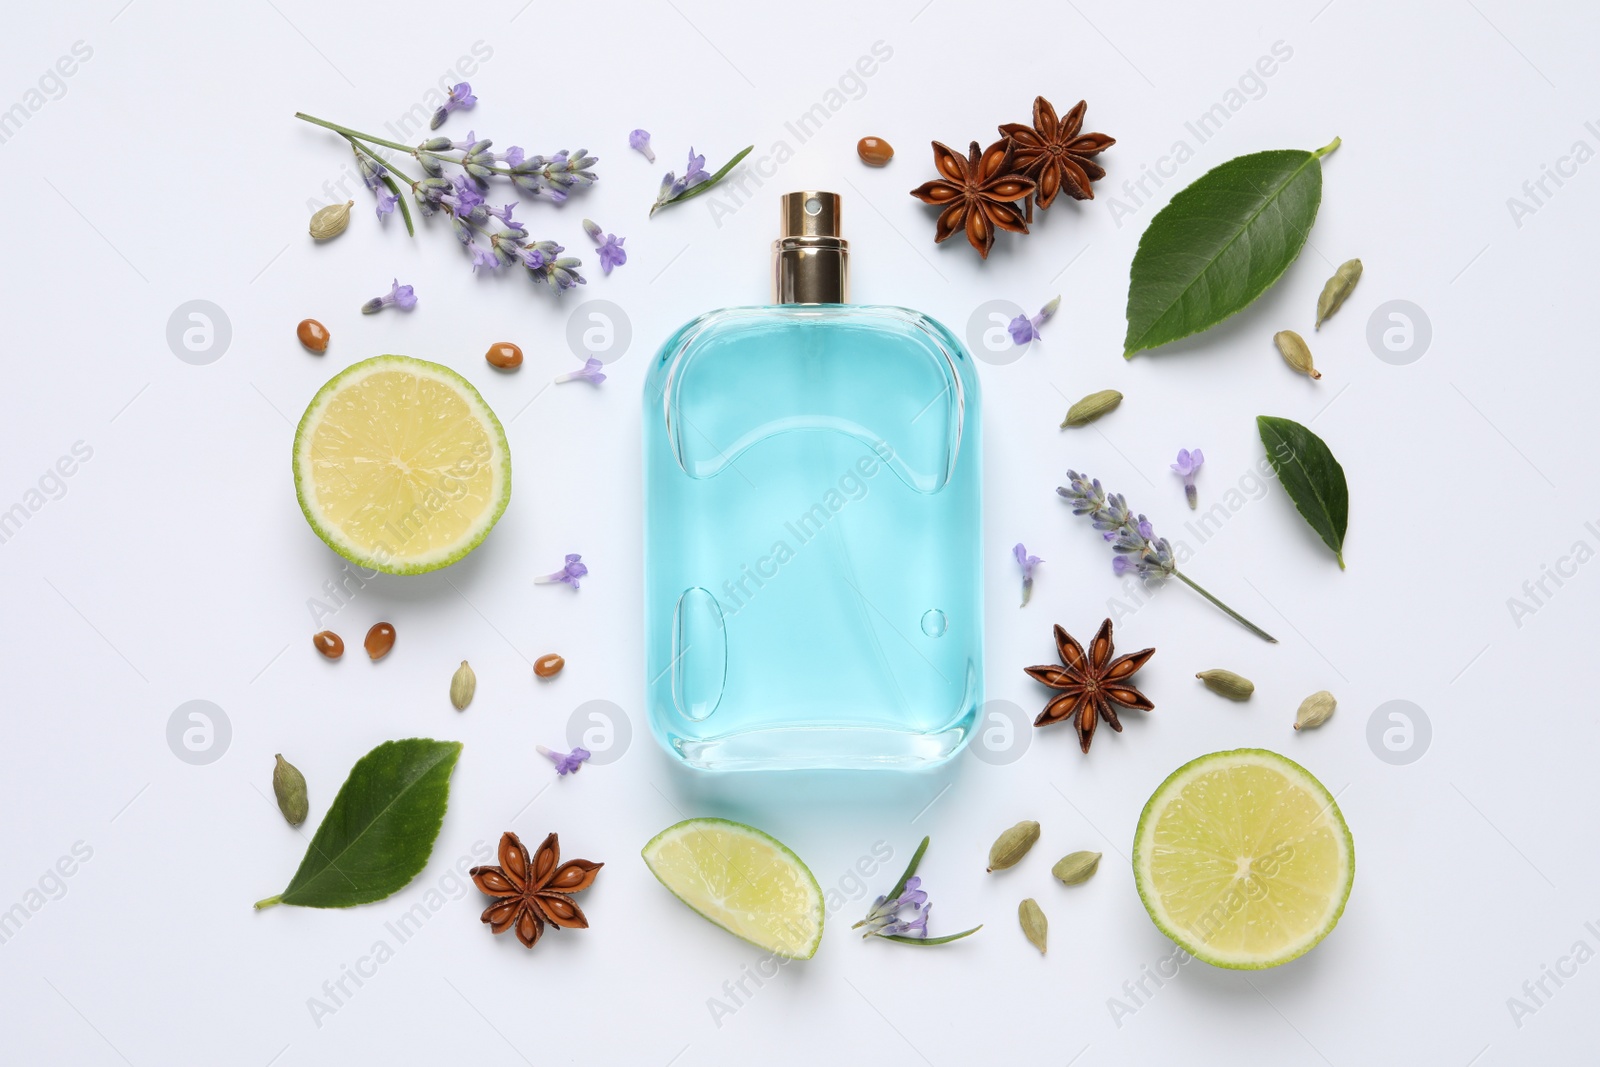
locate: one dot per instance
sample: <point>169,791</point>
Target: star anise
<point>1090,684</point>
<point>533,892</point>
<point>978,193</point>
<point>1055,153</point>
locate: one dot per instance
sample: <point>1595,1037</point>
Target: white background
<point>176,566</point>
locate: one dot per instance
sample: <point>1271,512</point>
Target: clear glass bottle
<point>812,526</point>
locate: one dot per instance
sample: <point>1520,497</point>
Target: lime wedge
<point>1243,859</point>
<point>743,880</point>
<point>400,466</point>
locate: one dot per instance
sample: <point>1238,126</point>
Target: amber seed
<point>505,355</point>
<point>313,335</point>
<point>328,643</point>
<point>380,639</point>
<point>548,666</point>
<point>874,151</point>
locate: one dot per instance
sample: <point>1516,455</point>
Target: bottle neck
<point>809,269</point>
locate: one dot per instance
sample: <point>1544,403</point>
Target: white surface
<point>176,566</point>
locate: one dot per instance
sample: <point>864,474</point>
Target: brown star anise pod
<point>533,892</point>
<point>978,193</point>
<point>1055,153</point>
<point>1090,683</point>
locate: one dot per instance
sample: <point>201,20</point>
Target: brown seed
<point>313,335</point>
<point>548,666</point>
<point>874,151</point>
<point>505,355</point>
<point>380,639</point>
<point>328,643</point>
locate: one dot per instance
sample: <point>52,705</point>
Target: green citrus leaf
<point>1221,243</point>
<point>1311,476</point>
<point>380,830</point>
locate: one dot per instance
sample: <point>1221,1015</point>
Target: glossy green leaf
<point>379,832</point>
<point>1221,243</point>
<point>1311,476</point>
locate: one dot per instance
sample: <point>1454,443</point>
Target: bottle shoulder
<point>797,332</point>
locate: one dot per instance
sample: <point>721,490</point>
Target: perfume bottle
<point>812,480</point>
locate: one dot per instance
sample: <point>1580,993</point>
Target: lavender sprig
<point>886,921</point>
<point>1139,550</point>
<point>694,181</point>
<point>461,198</point>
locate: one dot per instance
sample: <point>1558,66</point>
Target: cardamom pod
<point>1076,867</point>
<point>289,786</point>
<point>1341,285</point>
<point>1314,710</point>
<point>1091,407</point>
<point>1035,927</point>
<point>330,221</point>
<point>1228,684</point>
<point>1295,352</point>
<point>1012,845</point>
<point>463,684</point>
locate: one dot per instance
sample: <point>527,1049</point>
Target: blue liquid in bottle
<point>812,527</point>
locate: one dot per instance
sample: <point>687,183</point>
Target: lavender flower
<point>884,919</point>
<point>568,574</point>
<point>611,252</point>
<point>459,97</point>
<point>903,915</point>
<point>400,296</point>
<point>566,762</point>
<point>590,372</point>
<point>694,176</point>
<point>1024,330</point>
<point>1027,563</point>
<point>1139,551</point>
<point>639,141</point>
<point>461,197</point>
<point>1187,467</point>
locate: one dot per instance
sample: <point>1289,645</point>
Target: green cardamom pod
<point>1035,927</point>
<point>1341,285</point>
<point>1314,710</point>
<point>1076,867</point>
<point>463,684</point>
<point>1091,407</point>
<point>1295,353</point>
<point>289,786</point>
<point>1226,683</point>
<point>330,221</point>
<point>1012,845</point>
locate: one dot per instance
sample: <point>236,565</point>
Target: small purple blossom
<point>566,762</point>
<point>884,920</point>
<point>386,204</point>
<point>567,575</point>
<point>611,252</point>
<point>400,296</point>
<point>1027,563</point>
<point>694,174</point>
<point>1187,467</point>
<point>1024,330</point>
<point>639,141</point>
<point>590,372</point>
<point>459,98</point>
